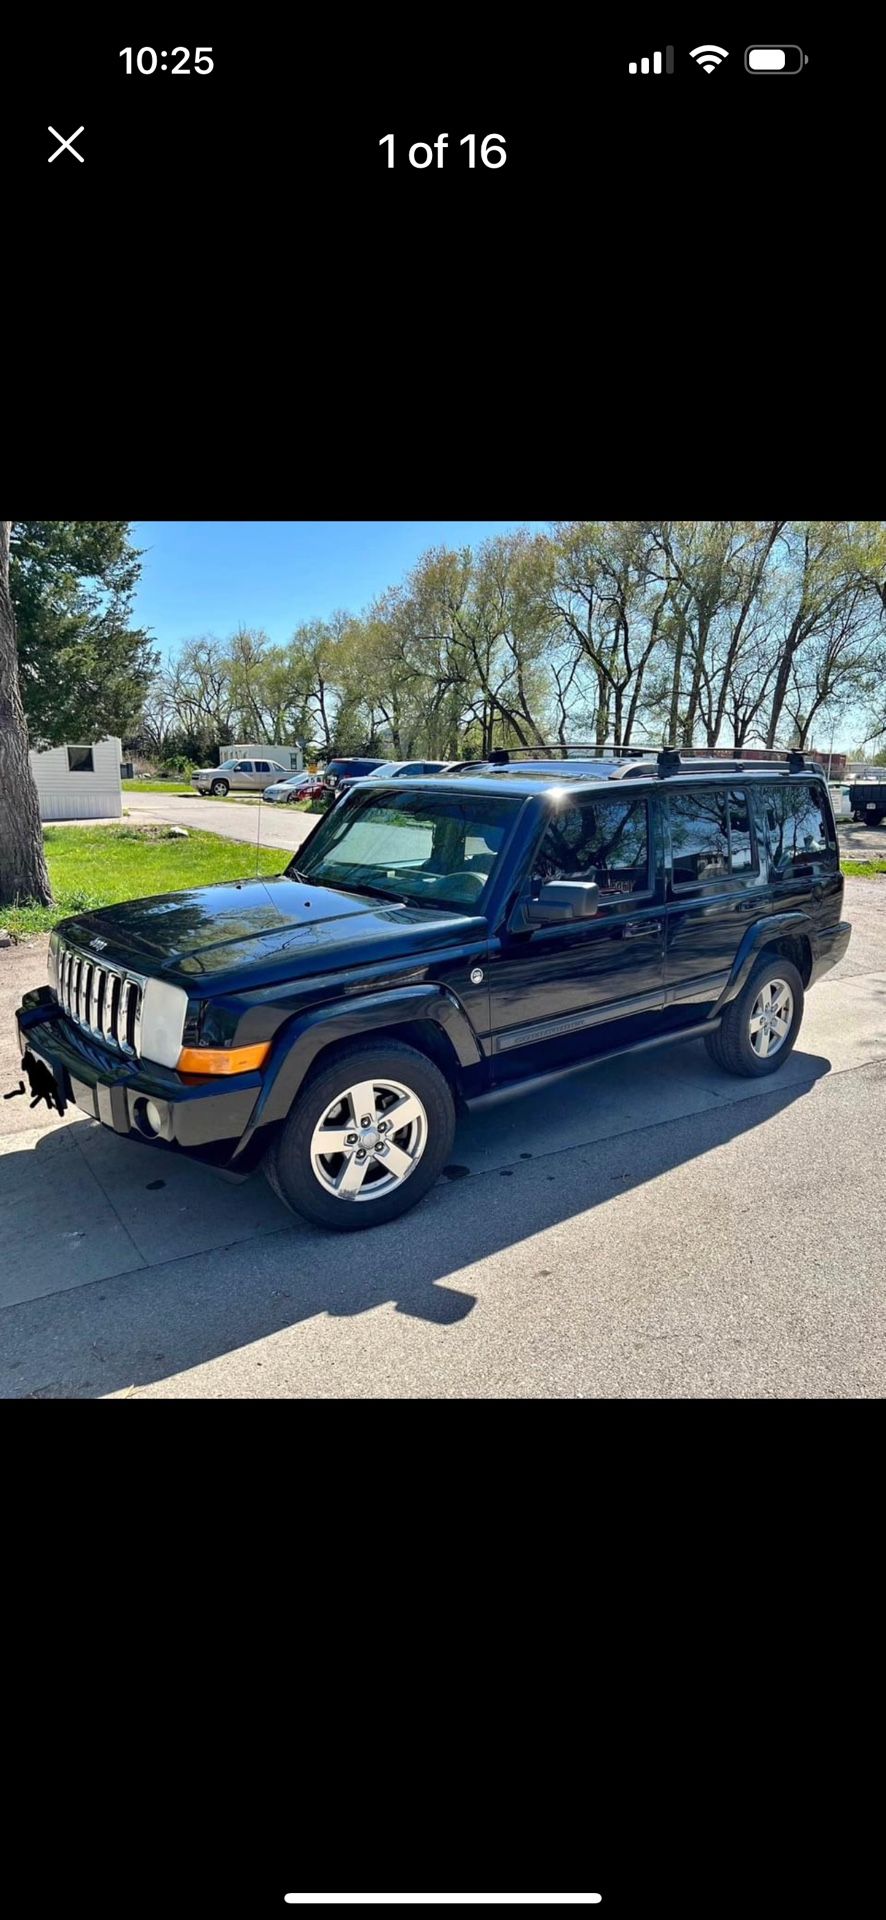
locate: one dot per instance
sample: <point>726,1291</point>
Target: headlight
<point>52,960</point>
<point>162,1022</point>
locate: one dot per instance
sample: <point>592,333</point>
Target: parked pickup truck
<point>432,939</point>
<point>238,776</point>
<point>867,799</point>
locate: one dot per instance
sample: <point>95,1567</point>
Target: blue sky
<point>210,576</point>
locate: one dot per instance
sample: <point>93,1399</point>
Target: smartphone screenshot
<point>443,914</point>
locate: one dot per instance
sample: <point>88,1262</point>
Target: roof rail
<point>559,750</point>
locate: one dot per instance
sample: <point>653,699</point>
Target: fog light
<point>153,1116</point>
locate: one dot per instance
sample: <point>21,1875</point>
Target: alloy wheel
<point>771,1016</point>
<point>369,1140</point>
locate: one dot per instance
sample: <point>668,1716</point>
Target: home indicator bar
<point>443,1899</point>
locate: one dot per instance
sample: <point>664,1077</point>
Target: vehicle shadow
<point>159,1320</point>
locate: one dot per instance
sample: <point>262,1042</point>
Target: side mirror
<point>559,900</point>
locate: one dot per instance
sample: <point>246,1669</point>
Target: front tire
<point>219,788</point>
<point>759,1028</point>
<point>368,1134</point>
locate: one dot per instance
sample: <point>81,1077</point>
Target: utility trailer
<point>867,799</point>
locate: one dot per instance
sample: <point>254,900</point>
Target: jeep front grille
<point>105,1001</point>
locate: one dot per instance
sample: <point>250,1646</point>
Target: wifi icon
<point>709,57</point>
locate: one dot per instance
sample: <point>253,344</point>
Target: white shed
<point>79,782</point>
<point>292,758</point>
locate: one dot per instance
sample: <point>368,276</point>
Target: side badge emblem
<point>476,976</point>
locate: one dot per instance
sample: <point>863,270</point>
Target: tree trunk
<point>676,683</point>
<point>23,874</point>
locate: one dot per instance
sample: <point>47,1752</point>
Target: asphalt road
<point>270,826</point>
<point>651,1228</point>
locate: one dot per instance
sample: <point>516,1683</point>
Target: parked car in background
<point>402,769</point>
<point>867,799</point>
<point>238,776</point>
<point>341,774</point>
<point>299,786</point>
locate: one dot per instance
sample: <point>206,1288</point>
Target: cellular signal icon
<point>709,57</point>
<point>656,63</point>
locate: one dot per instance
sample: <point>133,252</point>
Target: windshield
<point>437,849</point>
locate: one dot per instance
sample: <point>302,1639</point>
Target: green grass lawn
<point>863,869</point>
<point>157,786</point>
<point>95,866</point>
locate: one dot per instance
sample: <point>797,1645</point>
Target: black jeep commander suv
<point>434,938</point>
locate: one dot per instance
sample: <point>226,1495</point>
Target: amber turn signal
<point>215,1060</point>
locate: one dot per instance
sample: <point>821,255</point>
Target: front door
<point>551,984</point>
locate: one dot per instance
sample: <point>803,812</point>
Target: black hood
<point>272,929</point>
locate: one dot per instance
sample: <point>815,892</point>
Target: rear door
<point>714,887</point>
<point>553,982</point>
<point>264,774</point>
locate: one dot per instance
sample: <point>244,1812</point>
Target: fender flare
<point>302,1038</point>
<point>760,934</point>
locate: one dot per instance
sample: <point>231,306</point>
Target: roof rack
<point>671,761</point>
<point>668,760</point>
<point>560,750</point>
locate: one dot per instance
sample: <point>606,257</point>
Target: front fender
<point>305,1036</point>
<point>761,933</point>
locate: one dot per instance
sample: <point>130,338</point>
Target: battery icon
<point>775,59</point>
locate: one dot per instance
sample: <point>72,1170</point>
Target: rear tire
<point>219,788</point>
<point>759,1028</point>
<point>400,1161</point>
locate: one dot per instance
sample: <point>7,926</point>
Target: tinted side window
<point>602,840</point>
<point>699,837</point>
<point>741,846</point>
<point>262,766</point>
<point>795,822</point>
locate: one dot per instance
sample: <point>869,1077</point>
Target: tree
<point>23,874</point>
<point>612,589</point>
<point>84,668</point>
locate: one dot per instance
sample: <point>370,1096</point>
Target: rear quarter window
<point>794,822</point>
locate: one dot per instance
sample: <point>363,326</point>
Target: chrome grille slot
<point>106,1001</point>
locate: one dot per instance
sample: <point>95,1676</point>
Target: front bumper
<point>828,946</point>
<point>200,1117</point>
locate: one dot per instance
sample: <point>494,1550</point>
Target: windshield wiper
<point>379,893</point>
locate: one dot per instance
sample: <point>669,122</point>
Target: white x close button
<point>67,146</point>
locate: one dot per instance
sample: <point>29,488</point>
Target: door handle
<point>641,929</point>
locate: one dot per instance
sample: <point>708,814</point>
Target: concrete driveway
<point>648,1228</point>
